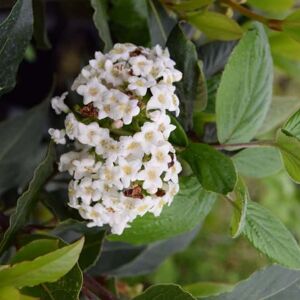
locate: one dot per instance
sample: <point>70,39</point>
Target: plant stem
<point>245,145</point>
<point>271,23</point>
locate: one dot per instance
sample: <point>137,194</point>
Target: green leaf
<point>165,292</point>
<point>214,170</point>
<point>39,26</point>
<point>240,201</point>
<point>291,25</point>
<point>189,208</point>
<point>268,283</point>
<point>270,236</point>
<point>292,126</point>
<point>245,91</point>
<point>28,199</point>
<point>281,108</point>
<point>289,147</point>
<point>15,34</point>
<point>9,292</point>
<point>258,162</point>
<point>288,66</point>
<point>184,53</point>
<point>272,6</point>
<point>46,268</point>
<point>160,23</point>
<point>120,259</point>
<point>188,5</point>
<point>205,289</point>
<point>16,167</point>
<point>128,21</point>
<point>100,21</point>
<point>178,136</point>
<point>216,26</point>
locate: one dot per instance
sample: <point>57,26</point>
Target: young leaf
<point>281,108</point>
<point>216,26</point>
<point>46,268</point>
<point>272,6</point>
<point>15,34</point>
<point>28,199</point>
<point>184,53</point>
<point>289,147</point>
<point>100,20</point>
<point>241,199</point>
<point>270,236</point>
<point>245,91</point>
<point>16,167</point>
<point>291,25</point>
<point>165,292</point>
<point>258,162</point>
<point>189,208</point>
<point>292,126</point>
<point>264,284</point>
<point>214,170</point>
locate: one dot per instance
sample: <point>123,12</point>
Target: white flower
<point>129,110</point>
<point>58,136</point>
<point>86,166</point>
<point>160,155</point>
<point>151,177</point>
<point>92,134</point>
<point>66,161</point>
<point>92,91</point>
<point>71,125</point>
<point>140,65</point>
<point>111,175</point>
<point>121,51</point>
<point>98,63</point>
<point>139,85</point>
<point>131,148</point>
<point>163,123</point>
<point>161,97</point>
<point>173,171</point>
<point>128,170</point>
<point>89,190</point>
<point>58,104</point>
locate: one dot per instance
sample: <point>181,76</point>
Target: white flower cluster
<point>123,165</point>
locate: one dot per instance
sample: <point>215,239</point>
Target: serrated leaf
<point>291,25</point>
<point>240,202</point>
<point>100,21</point>
<point>165,292</point>
<point>281,108</point>
<point>245,91</point>
<point>119,259</point>
<point>189,208</point>
<point>270,236</point>
<point>258,162</point>
<point>184,53</point>
<point>292,125</point>
<point>272,6</point>
<point>46,268</point>
<point>216,25</point>
<point>289,147</point>
<point>268,283</point>
<point>28,199</point>
<point>15,34</point>
<point>16,167</point>
<point>214,170</point>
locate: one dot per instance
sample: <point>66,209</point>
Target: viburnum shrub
<point>179,110</point>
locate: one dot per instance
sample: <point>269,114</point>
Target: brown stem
<point>91,284</point>
<point>245,145</point>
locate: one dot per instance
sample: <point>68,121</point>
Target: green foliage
<point>214,170</point>
<point>258,162</point>
<point>292,126</point>
<point>245,91</point>
<point>272,6</point>
<point>189,208</point>
<point>178,136</point>
<point>270,236</point>
<point>216,26</point>
<point>291,25</point>
<point>205,289</point>
<point>15,34</point>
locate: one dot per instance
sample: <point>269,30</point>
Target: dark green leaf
<point>214,170</point>
<point>46,268</point>
<point>16,167</point>
<point>39,26</point>
<point>292,126</point>
<point>189,208</point>
<point>266,284</point>
<point>258,162</point>
<point>216,25</point>
<point>100,20</point>
<point>178,136</point>
<point>270,236</point>
<point>245,91</point>
<point>165,292</point>
<point>240,202</point>
<point>183,52</point>
<point>122,260</point>
<point>289,147</point>
<point>28,199</point>
<point>160,23</point>
<point>15,34</point>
